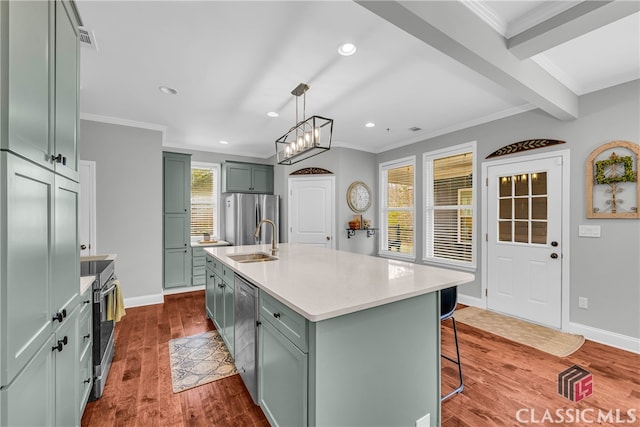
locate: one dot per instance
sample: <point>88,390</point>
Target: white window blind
<point>397,183</point>
<point>449,205</point>
<point>204,199</point>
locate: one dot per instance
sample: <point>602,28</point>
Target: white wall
<point>605,270</point>
<point>129,204</point>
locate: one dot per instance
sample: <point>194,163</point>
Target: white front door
<point>524,249</point>
<point>311,210</point>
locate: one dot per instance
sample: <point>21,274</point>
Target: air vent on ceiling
<point>88,39</point>
<point>415,129</point>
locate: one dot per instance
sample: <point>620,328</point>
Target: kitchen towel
<point>115,304</point>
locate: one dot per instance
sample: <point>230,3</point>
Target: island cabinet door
<point>282,378</point>
<point>210,286</point>
<point>218,303</point>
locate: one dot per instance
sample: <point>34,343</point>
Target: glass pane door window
<point>522,208</point>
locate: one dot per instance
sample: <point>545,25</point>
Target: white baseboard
<point>601,336</point>
<point>469,300</point>
<point>184,289</point>
<point>143,300</point>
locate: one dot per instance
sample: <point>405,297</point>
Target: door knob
<point>554,255</point>
<point>328,237</point>
<point>83,247</point>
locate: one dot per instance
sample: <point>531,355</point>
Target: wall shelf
<point>352,231</point>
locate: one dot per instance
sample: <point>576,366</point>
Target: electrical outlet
<point>424,421</point>
<point>583,302</point>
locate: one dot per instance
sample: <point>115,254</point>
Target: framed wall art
<point>612,181</point>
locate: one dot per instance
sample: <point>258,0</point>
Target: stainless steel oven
<point>103,329</point>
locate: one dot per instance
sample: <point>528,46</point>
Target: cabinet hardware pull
<point>86,337</point>
<point>87,381</point>
<point>87,301</point>
<point>57,347</point>
<point>276,315</point>
<point>58,316</point>
<point>64,314</point>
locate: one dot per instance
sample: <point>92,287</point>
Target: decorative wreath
<point>627,164</point>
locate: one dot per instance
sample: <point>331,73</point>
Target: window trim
<point>217,187</point>
<point>382,168</point>
<point>427,163</point>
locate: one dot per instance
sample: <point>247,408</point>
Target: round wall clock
<point>359,197</point>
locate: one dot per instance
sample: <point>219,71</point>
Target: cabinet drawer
<point>198,280</point>
<point>198,252</point>
<point>85,378</point>
<point>86,301</point>
<point>198,271</point>
<point>84,331</point>
<point>227,275</point>
<point>198,261</point>
<point>214,265</point>
<point>291,324</point>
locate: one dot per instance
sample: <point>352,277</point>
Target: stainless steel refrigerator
<point>243,212</point>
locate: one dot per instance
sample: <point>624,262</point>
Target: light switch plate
<point>589,230</point>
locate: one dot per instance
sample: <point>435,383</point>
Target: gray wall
<point>128,201</point>
<point>605,270</point>
<point>347,166</point>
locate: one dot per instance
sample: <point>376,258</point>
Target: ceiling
<point>436,66</point>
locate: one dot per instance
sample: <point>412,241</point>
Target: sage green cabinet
<point>42,77</point>
<point>220,300</point>
<point>198,273</point>
<point>238,177</point>
<point>65,268</point>
<point>26,293</point>
<point>283,375</point>
<point>177,268</point>
<point>85,349</point>
<point>45,391</point>
<point>67,78</point>
<point>210,286</point>
<point>177,183</point>
<point>28,401</point>
<point>66,350</point>
<point>177,219</point>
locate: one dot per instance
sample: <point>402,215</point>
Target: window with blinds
<point>449,205</point>
<point>204,199</point>
<point>397,213</point>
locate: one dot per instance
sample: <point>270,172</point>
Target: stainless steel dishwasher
<point>246,334</point>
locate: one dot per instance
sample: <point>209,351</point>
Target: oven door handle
<point>108,291</point>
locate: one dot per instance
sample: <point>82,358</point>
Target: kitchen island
<point>345,339</point>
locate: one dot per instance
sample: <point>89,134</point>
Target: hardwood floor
<point>501,378</point>
<point>138,390</point>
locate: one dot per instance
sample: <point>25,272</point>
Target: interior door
<point>87,208</point>
<point>311,211</point>
<point>524,249</point>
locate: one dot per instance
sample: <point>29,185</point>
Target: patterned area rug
<point>199,359</point>
<point>548,340</point>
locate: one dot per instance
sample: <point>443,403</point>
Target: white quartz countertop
<point>99,257</point>
<point>321,283</point>
<point>85,282</point>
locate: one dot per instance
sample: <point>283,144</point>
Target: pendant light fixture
<point>308,138</point>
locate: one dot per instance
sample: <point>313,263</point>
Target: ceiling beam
<point>574,22</point>
<point>456,31</point>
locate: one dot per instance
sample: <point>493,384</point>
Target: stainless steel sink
<point>252,257</point>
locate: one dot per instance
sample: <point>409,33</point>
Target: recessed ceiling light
<point>167,90</point>
<point>224,142</point>
<point>272,114</point>
<point>347,49</point>
<point>369,125</point>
